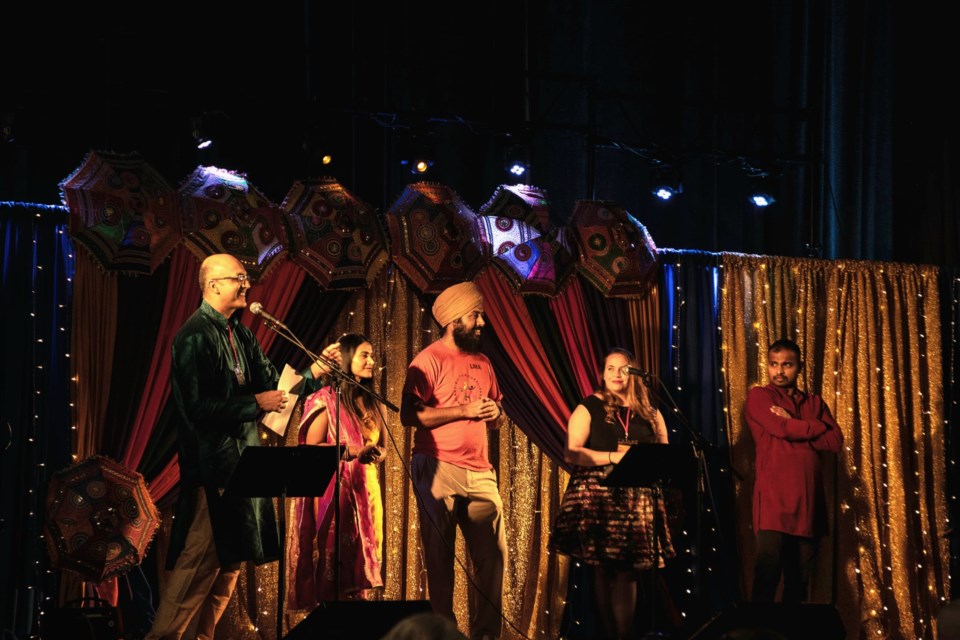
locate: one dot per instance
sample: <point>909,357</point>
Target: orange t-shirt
<point>442,377</point>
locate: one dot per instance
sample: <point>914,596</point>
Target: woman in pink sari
<point>311,551</point>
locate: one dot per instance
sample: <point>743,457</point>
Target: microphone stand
<point>339,378</point>
<point>700,445</point>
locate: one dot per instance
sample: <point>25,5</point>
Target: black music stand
<point>282,472</point>
<point>654,465</point>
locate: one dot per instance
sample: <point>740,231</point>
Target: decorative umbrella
<point>539,265</point>
<point>122,211</point>
<point>99,519</point>
<point>519,202</point>
<point>614,250</point>
<point>224,213</point>
<point>335,237</point>
<point>431,237</point>
<point>498,234</point>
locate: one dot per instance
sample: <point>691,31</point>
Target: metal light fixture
<point>200,136</point>
<point>415,151</point>
<point>517,161</point>
<point>417,166</point>
<point>321,148</point>
<point>666,182</point>
<point>761,177</point>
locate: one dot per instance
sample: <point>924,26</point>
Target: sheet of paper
<point>278,421</point>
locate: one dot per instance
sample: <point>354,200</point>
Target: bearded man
<point>451,397</point>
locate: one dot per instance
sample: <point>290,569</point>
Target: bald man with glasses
<point>221,382</point>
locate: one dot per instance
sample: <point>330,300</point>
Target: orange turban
<point>457,301</point>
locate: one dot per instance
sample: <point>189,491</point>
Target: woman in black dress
<point>611,528</point>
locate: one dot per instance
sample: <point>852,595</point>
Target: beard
<point>466,340</point>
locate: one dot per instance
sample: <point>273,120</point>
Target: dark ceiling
<point>598,92</point>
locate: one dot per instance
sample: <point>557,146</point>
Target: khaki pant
<point>449,496</point>
<point>197,585</point>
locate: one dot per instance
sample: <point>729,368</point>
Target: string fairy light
<point>49,282</point>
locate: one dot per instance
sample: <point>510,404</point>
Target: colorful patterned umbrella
<point>498,235</point>
<point>539,266</point>
<point>431,237</point>
<point>519,202</point>
<point>224,213</point>
<point>335,237</point>
<point>99,519</point>
<point>122,211</point>
<point>614,250</point>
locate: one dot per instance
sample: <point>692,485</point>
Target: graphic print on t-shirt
<point>467,389</point>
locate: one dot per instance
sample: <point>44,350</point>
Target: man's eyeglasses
<point>240,279</point>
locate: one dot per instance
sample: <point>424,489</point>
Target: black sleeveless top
<point>605,435</point>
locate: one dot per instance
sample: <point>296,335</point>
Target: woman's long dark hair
<point>356,401</point>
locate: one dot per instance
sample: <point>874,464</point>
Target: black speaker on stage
<point>774,622</point>
<point>355,619</point>
<point>82,619</point>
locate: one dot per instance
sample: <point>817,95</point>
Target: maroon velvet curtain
<point>156,391</point>
<point>569,309</point>
<point>276,293</point>
<point>525,348</point>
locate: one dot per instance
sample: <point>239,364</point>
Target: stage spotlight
<point>761,191</point>
<point>516,160</point>
<point>666,182</point>
<point>200,137</point>
<point>415,150</point>
<point>517,169</point>
<point>321,147</point>
<point>417,166</point>
<point>762,176</point>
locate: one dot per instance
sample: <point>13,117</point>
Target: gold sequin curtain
<point>870,336</point>
<point>94,319</point>
<point>399,325</point>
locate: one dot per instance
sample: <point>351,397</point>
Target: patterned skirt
<point>602,525</point>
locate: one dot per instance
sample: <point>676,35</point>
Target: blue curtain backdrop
<point>691,376</point>
<point>35,407</point>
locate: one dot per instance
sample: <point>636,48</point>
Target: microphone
<point>257,309</point>
<point>633,371</point>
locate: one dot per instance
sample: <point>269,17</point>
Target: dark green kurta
<point>218,421</point>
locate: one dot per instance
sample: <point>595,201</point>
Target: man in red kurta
<point>790,428</point>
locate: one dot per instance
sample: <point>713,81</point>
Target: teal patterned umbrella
<point>122,212</point>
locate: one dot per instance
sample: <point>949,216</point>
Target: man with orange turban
<point>451,397</point>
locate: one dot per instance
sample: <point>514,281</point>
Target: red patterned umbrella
<point>431,237</point>
<point>335,237</point>
<point>519,202</point>
<point>99,519</point>
<point>224,213</point>
<point>539,265</point>
<point>614,250</point>
<point>122,211</point>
